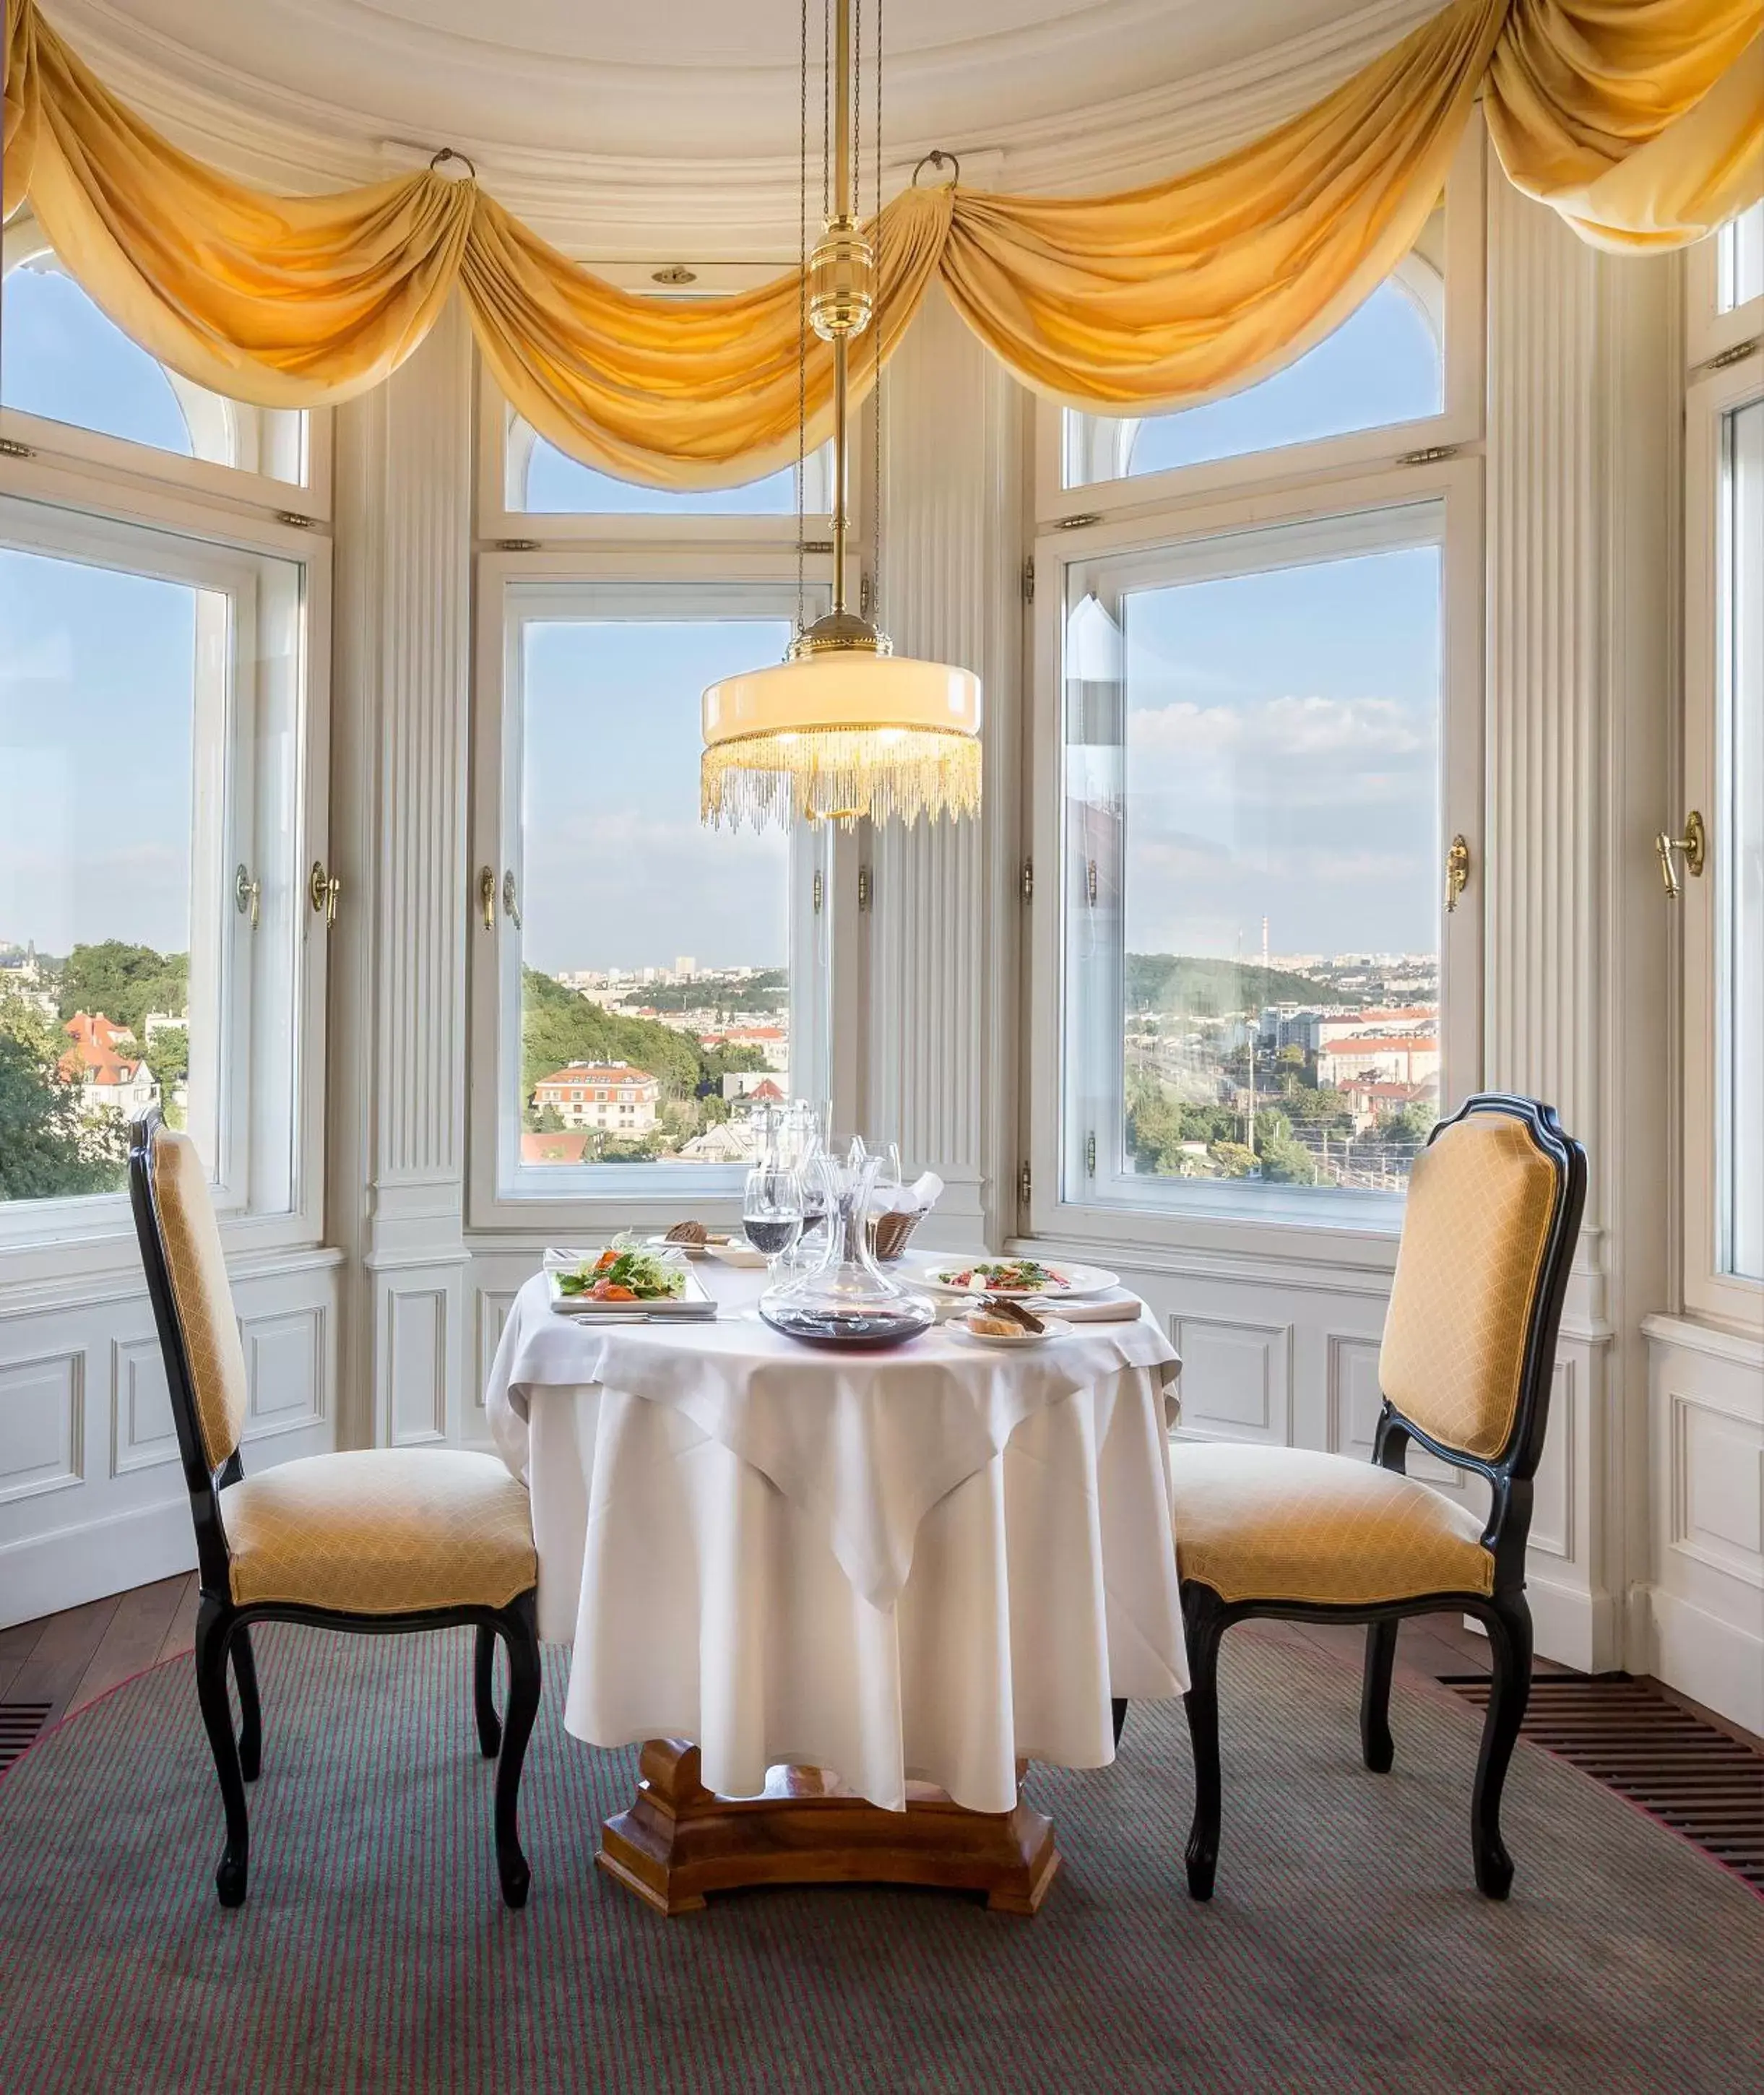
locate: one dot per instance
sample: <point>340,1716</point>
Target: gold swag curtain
<point>1641,120</point>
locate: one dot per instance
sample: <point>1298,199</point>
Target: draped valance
<point>1641,121</point>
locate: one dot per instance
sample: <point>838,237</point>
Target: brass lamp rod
<point>842,209</point>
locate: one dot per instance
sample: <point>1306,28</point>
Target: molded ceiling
<point>688,81</point>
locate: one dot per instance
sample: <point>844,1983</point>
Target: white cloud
<point>1276,730</point>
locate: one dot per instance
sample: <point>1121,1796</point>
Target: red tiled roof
<point>562,1148</point>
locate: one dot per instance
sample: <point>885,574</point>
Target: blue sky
<point>619,870</point>
<point>1282,758</point>
<point>96,671</point>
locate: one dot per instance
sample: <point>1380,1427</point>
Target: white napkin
<point>1119,1306</point>
<point>917,1199</point>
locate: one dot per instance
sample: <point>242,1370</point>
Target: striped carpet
<point>1346,1950</point>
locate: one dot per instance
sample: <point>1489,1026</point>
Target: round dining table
<point>843,1597</point>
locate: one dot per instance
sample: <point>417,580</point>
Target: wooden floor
<point>69,1659</point>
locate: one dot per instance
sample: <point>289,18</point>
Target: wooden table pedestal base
<point>679,1840</point>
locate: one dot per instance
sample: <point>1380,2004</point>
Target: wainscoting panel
<point>415,1354</point>
<point>1706,1605</point>
<point>1237,1379</point>
<point>42,1422</point>
<point>492,1306</point>
<point>142,1433</point>
<point>287,1369</point>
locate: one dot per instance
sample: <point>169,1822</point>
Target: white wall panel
<point>142,1433</point>
<point>1237,1379</point>
<point>42,1421</point>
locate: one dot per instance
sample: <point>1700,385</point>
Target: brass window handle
<point>511,899</point>
<point>322,891</point>
<point>1457,870</point>
<point>1693,844</point>
<point>486,897</point>
<point>247,894</point>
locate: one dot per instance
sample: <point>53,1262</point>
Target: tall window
<point>647,987</point>
<point>1722,913</point>
<point>158,795</point>
<point>1258,734</point>
<point>654,953</point>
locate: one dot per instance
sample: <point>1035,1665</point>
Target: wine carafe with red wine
<point>847,1299</point>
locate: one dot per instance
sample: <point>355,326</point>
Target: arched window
<point>1384,365</point>
<point>66,361</point>
<point>544,480</point>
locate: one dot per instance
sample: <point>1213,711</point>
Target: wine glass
<point>772,1212</point>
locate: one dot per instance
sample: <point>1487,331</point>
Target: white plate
<point>691,1250</point>
<point>737,1251</point>
<point>1080,1280</point>
<point>1051,1328</point>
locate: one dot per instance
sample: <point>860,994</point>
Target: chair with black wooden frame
<point>380,1540</point>
<point>1466,1370</point>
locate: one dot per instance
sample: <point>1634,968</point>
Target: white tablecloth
<point>915,1564</point>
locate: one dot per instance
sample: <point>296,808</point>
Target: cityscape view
<point>652,1064</point>
<point>1305,1069</point>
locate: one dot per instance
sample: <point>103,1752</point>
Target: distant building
<point>728,1141</point>
<point>1372,1100</point>
<point>1411,1018</point>
<point>106,1064</point>
<point>684,967</point>
<point>1396,1058</point>
<point>611,1096</point>
<point>774,1043</point>
<point>760,1087</point>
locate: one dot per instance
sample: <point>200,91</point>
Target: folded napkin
<point>1120,1305</point>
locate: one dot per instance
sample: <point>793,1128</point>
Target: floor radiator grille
<point>1635,1739</point>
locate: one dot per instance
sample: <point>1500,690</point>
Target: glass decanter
<point>847,1299</point>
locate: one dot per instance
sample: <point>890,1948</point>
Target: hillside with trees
<point>559,1026</point>
<point>1214,989</point>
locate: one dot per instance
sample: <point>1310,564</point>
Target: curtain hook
<point>446,154</point>
<point>938,158</point>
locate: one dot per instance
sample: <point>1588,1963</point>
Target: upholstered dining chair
<point>1465,1369</point>
<point>380,1539</point>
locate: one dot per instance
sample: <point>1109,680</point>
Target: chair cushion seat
<point>381,1532</point>
<point>1259,1523</point>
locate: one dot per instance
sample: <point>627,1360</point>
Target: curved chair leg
<point>1376,1744</point>
<point>1117,1716</point>
<point>521,1634</point>
<point>214,1632</point>
<point>251,1711</point>
<point>1509,1633</point>
<point>1203,1614</point>
<point>489,1731</point>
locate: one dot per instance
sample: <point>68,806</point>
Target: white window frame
<point>1709,331</point>
<point>232,489</point>
<point>79,509</point>
<point>1345,516</point>
<point>1462,300</point>
<point>1723,374</point>
<point>684,579</point>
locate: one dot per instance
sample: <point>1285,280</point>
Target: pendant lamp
<point>843,727</point>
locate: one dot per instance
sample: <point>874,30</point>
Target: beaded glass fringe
<point>839,774</point>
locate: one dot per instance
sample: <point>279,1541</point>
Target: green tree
<point>123,982</point>
<point>48,1150</point>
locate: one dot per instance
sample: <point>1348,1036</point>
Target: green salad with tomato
<point>625,1273</point>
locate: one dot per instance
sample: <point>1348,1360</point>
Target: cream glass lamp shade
<point>841,734</point>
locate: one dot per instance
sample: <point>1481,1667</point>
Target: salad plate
<point>626,1279</point>
<point>1027,1278</point>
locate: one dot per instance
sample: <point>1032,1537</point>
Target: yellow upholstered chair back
<point>1471,1275</point>
<point>190,1239</point>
